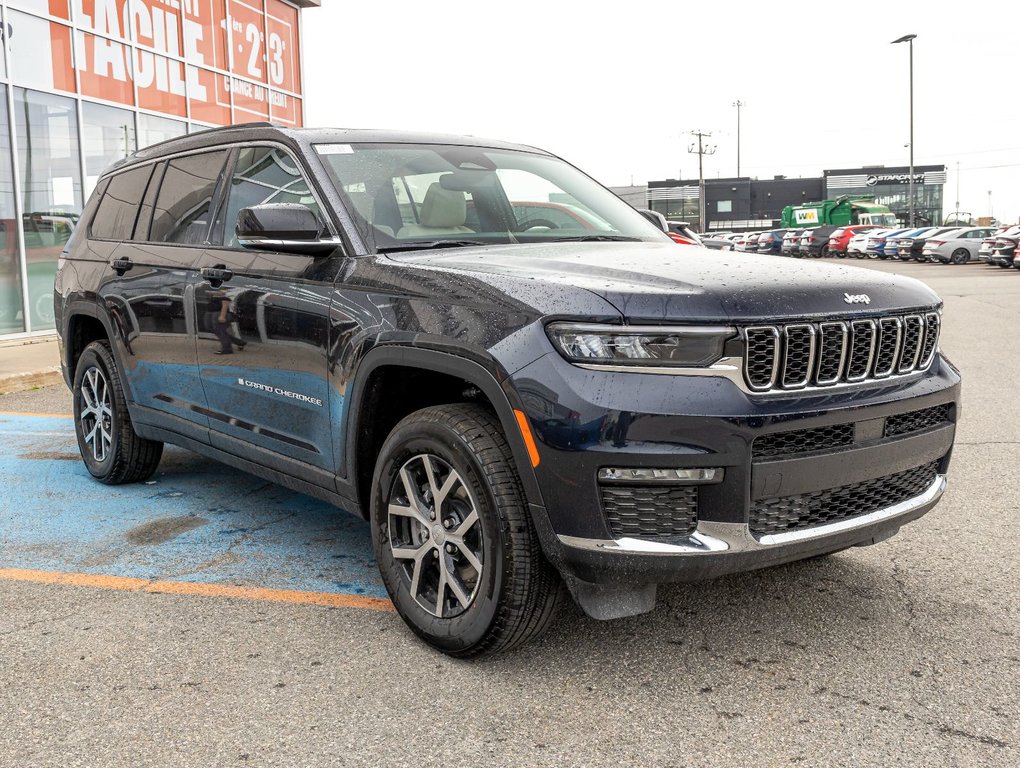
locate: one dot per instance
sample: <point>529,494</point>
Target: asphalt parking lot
<point>211,618</point>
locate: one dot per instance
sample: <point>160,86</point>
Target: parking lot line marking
<point>195,589</point>
<point>38,415</point>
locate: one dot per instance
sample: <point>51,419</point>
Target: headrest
<point>443,207</point>
<point>364,204</point>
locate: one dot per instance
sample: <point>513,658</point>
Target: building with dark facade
<point>736,204</point>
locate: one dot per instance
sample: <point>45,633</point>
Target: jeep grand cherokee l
<point>520,408</point>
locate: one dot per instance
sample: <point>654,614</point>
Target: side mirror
<point>656,218</point>
<point>286,227</point>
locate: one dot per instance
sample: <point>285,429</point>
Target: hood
<point>652,282</point>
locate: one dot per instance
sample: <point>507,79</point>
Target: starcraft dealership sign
<point>183,58</point>
<point>894,178</point>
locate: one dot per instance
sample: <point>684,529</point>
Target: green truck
<point>840,212</point>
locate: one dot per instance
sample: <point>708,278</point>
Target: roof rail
<point>144,151</point>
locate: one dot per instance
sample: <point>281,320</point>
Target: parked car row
<point>945,245</point>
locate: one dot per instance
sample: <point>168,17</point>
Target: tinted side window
<point>262,175</point>
<point>185,198</point>
<point>115,217</point>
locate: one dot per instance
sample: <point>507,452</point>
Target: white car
<point>958,246</point>
<point>858,244</point>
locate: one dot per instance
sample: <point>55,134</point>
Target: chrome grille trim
<point>932,326</point>
<point>913,340</point>
<point>752,338</point>
<point>886,349</point>
<point>858,328</point>
<point>790,337</point>
<point>823,358</point>
<point>835,353</point>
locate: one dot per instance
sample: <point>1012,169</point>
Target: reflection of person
<point>122,328</point>
<point>218,318</point>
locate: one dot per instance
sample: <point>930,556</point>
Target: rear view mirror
<point>287,227</point>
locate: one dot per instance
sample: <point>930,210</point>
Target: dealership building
<point>83,83</point>
<point>737,204</point>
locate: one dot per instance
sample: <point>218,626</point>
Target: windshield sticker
<point>334,149</point>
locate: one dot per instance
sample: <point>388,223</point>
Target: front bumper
<point>598,419</point>
<point>718,549</point>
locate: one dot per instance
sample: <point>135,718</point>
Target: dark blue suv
<point>522,406</point>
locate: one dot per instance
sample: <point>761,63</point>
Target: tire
<point>112,452</point>
<point>960,256</point>
<point>516,593</point>
<point>824,253</point>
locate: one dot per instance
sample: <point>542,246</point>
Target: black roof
<point>307,136</point>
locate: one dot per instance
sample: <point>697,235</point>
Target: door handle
<point>217,274</point>
<point>120,266</point>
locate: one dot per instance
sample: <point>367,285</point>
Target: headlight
<point>640,345</point>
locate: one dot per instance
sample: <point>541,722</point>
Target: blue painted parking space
<point>196,521</point>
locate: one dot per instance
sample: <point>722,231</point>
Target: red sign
<point>222,60</point>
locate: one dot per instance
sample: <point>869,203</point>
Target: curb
<point>20,382</point>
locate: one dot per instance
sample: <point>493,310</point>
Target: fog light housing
<point>661,475</point>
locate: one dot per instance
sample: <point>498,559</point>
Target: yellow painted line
<point>38,415</point>
<point>156,586</point>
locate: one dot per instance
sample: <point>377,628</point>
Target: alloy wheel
<point>97,416</point>
<point>435,534</point>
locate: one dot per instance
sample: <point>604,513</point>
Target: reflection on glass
<point>3,40</point>
<point>152,129</point>
<point>44,7</point>
<point>47,131</point>
<point>108,135</point>
<point>160,83</point>
<point>39,52</point>
<point>104,69</point>
<point>11,316</point>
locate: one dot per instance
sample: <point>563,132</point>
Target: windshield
<point>406,196</point>
<point>883,219</point>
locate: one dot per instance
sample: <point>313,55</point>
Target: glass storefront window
<point>40,52</point>
<point>3,40</point>
<point>108,134</point>
<point>88,81</point>
<point>56,8</point>
<point>152,129</point>
<point>47,135</point>
<point>104,69</point>
<point>11,317</point>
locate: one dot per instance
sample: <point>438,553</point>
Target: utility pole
<point>702,150</point>
<point>738,104</point>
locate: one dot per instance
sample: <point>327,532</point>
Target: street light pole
<point>910,39</point>
<point>738,104</point>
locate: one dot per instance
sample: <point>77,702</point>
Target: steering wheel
<point>538,223</point>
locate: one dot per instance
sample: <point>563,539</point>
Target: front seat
<point>442,212</point>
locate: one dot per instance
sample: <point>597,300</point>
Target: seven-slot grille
<point>798,355</point>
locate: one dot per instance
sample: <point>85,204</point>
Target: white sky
<point>614,88</point>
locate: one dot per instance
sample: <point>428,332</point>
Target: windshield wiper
<point>597,239</point>
<point>419,245</point>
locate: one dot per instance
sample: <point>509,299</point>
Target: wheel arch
<point>84,322</point>
<point>497,393</point>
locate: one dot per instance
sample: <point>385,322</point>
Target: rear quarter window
<point>115,216</point>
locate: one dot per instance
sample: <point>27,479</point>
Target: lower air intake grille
<point>650,511</point>
<point>810,510</point>
<point>916,421</point>
<point>802,441</point>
